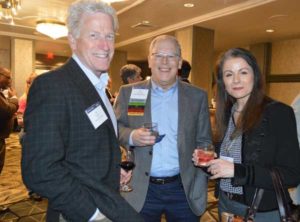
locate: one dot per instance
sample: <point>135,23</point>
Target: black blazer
<point>273,143</point>
<point>64,158</point>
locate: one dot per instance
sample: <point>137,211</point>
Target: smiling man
<point>70,148</point>
<point>164,179</point>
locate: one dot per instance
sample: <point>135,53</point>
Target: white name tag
<point>96,114</point>
<point>140,94</point>
<point>227,158</point>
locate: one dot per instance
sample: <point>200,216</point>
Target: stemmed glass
<point>127,164</point>
<point>153,128</point>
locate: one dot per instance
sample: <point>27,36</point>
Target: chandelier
<point>9,8</point>
<point>52,28</point>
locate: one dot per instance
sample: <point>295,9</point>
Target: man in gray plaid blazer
<point>71,153</point>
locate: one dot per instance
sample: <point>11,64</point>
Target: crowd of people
<point>73,128</point>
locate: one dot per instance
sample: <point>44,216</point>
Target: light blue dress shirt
<point>164,111</point>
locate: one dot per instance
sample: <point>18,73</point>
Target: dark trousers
<point>169,199</point>
<point>2,153</point>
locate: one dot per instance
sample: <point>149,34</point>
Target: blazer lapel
<point>147,114</point>
<point>183,104</point>
<point>86,87</point>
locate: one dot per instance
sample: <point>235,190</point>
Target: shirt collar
<point>157,88</point>
<point>99,82</point>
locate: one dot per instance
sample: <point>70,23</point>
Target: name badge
<point>96,114</point>
<point>227,158</point>
<point>137,102</point>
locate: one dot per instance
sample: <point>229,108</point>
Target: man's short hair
<point>129,71</point>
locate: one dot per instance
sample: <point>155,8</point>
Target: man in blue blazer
<point>165,179</point>
<point>70,149</point>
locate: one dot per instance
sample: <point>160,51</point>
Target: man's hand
<point>11,92</point>
<point>142,137</point>
<point>125,176</point>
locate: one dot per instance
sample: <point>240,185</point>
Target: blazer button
<point>150,152</point>
<point>146,173</point>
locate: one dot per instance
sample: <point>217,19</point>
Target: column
<point>22,62</point>
<point>197,45</point>
<point>119,60</point>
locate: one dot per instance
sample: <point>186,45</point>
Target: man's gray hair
<point>164,37</point>
<point>79,7</point>
<point>129,71</point>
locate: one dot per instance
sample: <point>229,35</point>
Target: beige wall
<point>285,59</point>
<point>5,51</point>
<point>120,59</point>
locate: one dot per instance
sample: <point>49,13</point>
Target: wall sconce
<point>53,28</point>
<point>9,8</point>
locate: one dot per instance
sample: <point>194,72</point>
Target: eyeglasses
<point>172,57</point>
<point>8,77</point>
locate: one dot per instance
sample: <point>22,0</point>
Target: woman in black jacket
<point>256,134</point>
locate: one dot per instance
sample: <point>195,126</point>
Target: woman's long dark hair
<point>252,111</point>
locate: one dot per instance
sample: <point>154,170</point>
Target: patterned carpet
<point>19,207</point>
<point>14,200</point>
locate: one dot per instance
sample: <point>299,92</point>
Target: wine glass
<point>127,164</point>
<point>153,128</point>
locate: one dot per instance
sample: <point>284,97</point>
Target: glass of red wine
<point>127,164</point>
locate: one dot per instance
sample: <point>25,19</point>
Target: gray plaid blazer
<point>193,129</point>
<point>64,158</point>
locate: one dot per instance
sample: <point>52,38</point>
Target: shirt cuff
<point>97,216</point>
<point>130,142</point>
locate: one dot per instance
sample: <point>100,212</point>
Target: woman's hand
<point>220,169</point>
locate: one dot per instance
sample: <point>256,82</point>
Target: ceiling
<point>235,22</point>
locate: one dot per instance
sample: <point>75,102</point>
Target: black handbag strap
<point>254,205</point>
<point>284,210</point>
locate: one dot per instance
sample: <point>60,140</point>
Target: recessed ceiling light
<point>188,5</point>
<point>270,30</point>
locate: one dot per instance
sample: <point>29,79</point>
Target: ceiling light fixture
<point>112,1</point>
<point>188,5</point>
<point>270,30</point>
<point>9,8</point>
<point>52,28</point>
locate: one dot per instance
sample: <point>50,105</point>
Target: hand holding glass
<point>153,128</point>
<point>205,154</point>
<point>127,164</point>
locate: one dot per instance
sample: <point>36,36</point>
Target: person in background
<point>8,107</point>
<point>184,71</point>
<point>165,179</point>
<point>70,152</point>
<point>256,133</point>
<point>295,194</point>
<point>23,102</point>
<point>108,93</point>
<point>130,73</point>
<point>20,117</point>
